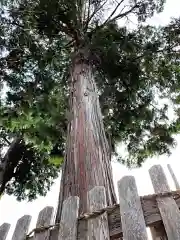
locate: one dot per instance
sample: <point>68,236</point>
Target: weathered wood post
<point>4,229</point>
<point>173,177</point>
<point>169,210</point>
<point>98,226</point>
<point>44,219</point>
<point>69,219</point>
<point>133,223</point>
<point>21,228</point>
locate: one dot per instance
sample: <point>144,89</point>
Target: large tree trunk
<point>87,162</point>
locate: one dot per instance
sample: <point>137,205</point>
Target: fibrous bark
<point>87,161</point>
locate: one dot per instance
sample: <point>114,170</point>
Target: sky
<point>11,210</point>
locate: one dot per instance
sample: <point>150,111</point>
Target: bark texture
<point>87,162</point>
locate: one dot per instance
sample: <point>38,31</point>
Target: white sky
<point>11,210</point>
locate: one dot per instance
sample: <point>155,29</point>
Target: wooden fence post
<point>44,219</point>
<point>21,228</point>
<point>173,177</point>
<point>4,229</point>
<point>69,219</point>
<point>167,206</point>
<point>98,226</point>
<point>133,223</point>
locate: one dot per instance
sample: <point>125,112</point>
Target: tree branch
<point>6,140</point>
<point>89,5</point>
<point>158,51</point>
<point>113,12</point>
<point>94,13</point>
<point>66,28</point>
<point>121,15</point>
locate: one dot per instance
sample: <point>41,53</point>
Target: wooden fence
<point>128,221</point>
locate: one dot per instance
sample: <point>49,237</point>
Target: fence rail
<point>128,220</point>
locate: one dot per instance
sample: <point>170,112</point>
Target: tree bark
<point>87,162</point>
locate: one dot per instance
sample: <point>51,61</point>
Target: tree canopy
<point>136,71</point>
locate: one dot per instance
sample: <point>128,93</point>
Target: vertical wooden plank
<point>69,219</point>
<point>98,228</point>
<point>4,229</point>
<point>167,206</point>
<point>44,220</point>
<point>21,228</point>
<point>133,223</point>
<point>173,177</point>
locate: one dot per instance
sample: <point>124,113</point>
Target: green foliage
<point>30,174</point>
<point>56,160</point>
<point>134,70</point>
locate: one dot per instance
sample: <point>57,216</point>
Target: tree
<point>67,47</point>
<point>26,172</point>
<point>28,168</point>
